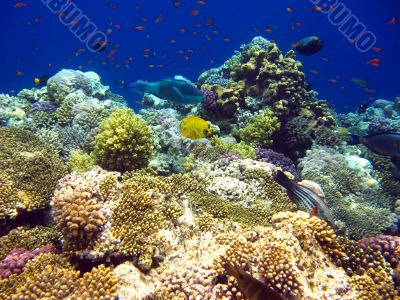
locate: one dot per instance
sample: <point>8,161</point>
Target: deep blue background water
<point>34,42</point>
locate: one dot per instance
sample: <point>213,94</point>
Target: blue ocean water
<point>186,37</point>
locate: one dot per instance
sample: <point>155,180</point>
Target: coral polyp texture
<point>102,202</point>
<point>124,142</point>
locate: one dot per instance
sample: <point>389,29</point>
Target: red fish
<point>200,2</point>
<point>392,21</point>
<point>20,4</point>
<point>269,30</point>
<point>158,19</point>
<point>139,28</point>
<point>194,12</point>
<point>374,62</point>
<point>289,10</point>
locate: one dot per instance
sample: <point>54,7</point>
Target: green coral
<point>261,127</point>
<point>65,113</point>
<point>80,161</point>
<point>31,166</point>
<point>125,142</point>
<point>241,149</point>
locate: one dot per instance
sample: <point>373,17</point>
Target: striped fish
<point>305,198</point>
<point>251,287</point>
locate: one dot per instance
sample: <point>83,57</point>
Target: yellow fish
<point>194,128</point>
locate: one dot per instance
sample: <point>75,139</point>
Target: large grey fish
<point>305,198</point>
<point>309,45</point>
<point>251,287</point>
<point>386,144</point>
<point>176,90</point>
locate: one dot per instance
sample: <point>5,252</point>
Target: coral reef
<point>29,172</point>
<point>277,159</point>
<point>352,192</point>
<point>124,143</point>
<point>260,128</point>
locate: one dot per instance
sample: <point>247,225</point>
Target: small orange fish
<point>20,4</point>
<point>186,57</point>
<point>332,80</point>
<point>289,10</point>
<point>313,71</point>
<point>377,49</point>
<point>74,22</point>
<point>182,30</point>
<point>139,28</point>
<point>144,19</point>
<point>325,59</point>
<point>117,26</point>
<point>172,41</point>
<point>269,30</point>
<point>194,12</point>
<point>227,40</point>
<point>20,73</point>
<point>368,90</point>
<point>200,2</point>
<point>392,21</point>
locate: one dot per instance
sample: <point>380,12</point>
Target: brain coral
<point>29,170</point>
<point>125,142</point>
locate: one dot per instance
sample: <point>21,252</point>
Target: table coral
<point>125,142</point>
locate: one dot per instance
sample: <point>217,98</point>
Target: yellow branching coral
<point>125,142</point>
<point>136,217</point>
<point>77,210</point>
<point>57,280</point>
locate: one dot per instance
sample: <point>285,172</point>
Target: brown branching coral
<point>77,210</point>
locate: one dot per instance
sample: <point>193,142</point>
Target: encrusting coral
<point>125,142</point>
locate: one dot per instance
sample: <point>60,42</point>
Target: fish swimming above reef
<point>42,80</point>
<point>386,144</point>
<point>251,287</point>
<point>194,128</point>
<point>176,90</point>
<point>309,45</point>
<point>305,198</point>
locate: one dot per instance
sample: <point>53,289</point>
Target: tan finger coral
<point>77,210</point>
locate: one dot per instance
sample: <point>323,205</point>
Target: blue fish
<point>175,90</point>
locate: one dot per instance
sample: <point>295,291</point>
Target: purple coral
<point>210,100</point>
<point>384,244</point>
<point>380,125</point>
<point>46,106</point>
<point>15,262</point>
<point>277,159</point>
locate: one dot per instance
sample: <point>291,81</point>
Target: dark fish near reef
<point>121,83</point>
<point>305,198</point>
<point>251,287</point>
<point>309,45</point>
<point>386,144</point>
<point>176,90</point>
<point>362,108</point>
